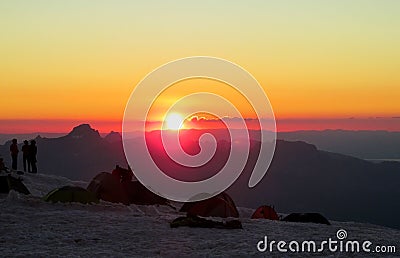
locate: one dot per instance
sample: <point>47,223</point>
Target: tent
<point>8,183</point>
<point>221,205</point>
<point>139,194</point>
<point>124,175</point>
<point>71,194</point>
<point>107,187</point>
<point>265,212</point>
<point>307,218</point>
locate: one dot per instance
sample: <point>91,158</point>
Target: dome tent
<point>220,205</point>
<point>265,212</point>
<point>107,187</point>
<point>71,194</point>
<point>139,194</point>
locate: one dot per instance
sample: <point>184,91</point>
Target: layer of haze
<point>80,60</point>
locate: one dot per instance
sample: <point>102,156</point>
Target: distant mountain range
<point>79,155</point>
<point>5,137</point>
<point>361,144</point>
<point>301,178</point>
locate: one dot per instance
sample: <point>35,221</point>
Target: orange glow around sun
<point>63,65</point>
<point>174,121</point>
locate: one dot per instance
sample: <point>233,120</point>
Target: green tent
<point>71,194</point>
<point>8,183</point>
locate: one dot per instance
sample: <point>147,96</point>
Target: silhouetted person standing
<point>26,155</point>
<point>14,154</point>
<point>32,155</point>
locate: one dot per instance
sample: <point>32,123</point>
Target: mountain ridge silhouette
<point>301,177</point>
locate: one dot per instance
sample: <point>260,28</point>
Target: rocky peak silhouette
<point>113,137</point>
<point>84,131</point>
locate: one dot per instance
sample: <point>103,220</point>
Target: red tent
<point>139,194</point>
<point>108,188</point>
<point>221,205</point>
<point>265,212</point>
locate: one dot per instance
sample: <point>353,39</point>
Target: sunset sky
<point>323,64</point>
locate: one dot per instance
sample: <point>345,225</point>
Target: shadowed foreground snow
<point>32,227</point>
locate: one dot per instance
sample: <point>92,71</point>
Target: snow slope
<point>32,227</point>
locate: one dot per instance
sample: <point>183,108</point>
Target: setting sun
<point>174,121</point>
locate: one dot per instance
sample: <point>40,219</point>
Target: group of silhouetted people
<point>29,152</point>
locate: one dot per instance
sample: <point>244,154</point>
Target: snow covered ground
<point>32,227</point>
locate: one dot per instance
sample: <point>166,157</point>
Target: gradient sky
<point>73,61</point>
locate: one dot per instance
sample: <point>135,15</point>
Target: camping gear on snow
<point>306,218</point>
<point>108,187</point>
<point>265,212</point>
<point>9,182</point>
<point>220,205</point>
<point>139,194</point>
<point>197,222</point>
<point>71,194</point>
<point>123,175</point>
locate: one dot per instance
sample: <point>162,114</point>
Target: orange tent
<point>221,205</point>
<point>265,212</point>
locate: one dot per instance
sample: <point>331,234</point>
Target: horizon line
<point>59,126</point>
